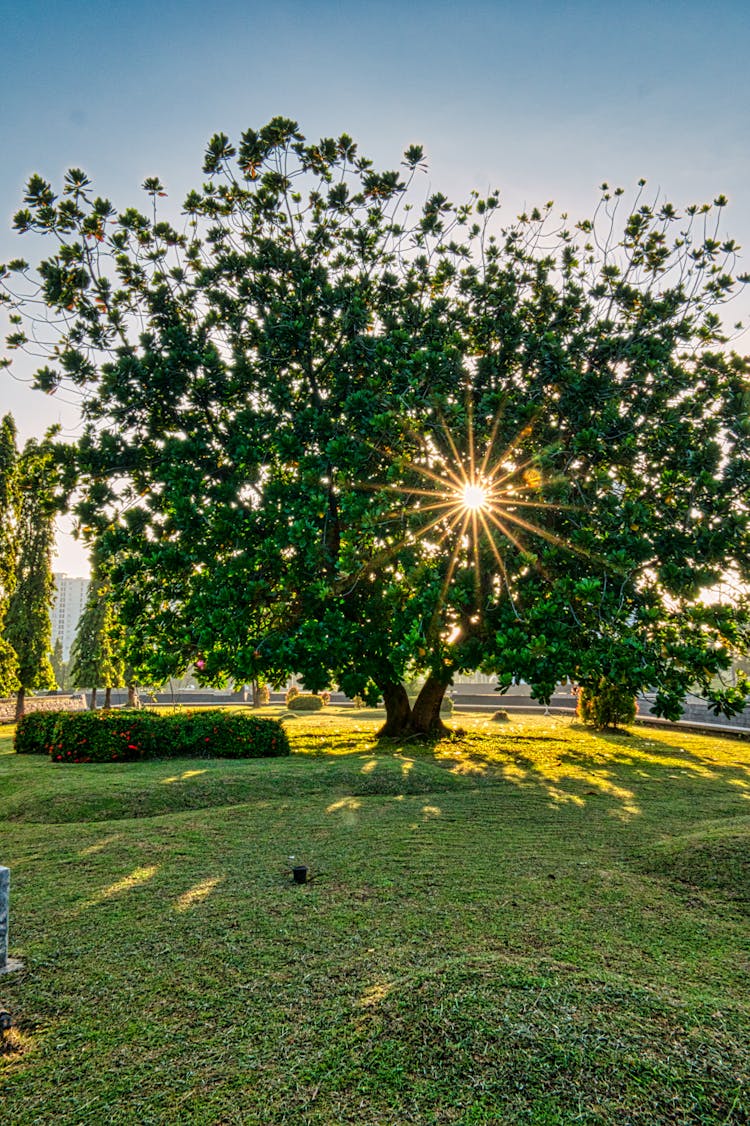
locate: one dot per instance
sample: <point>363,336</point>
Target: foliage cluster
<point>305,702</point>
<point>128,736</point>
<point>606,704</point>
<point>35,733</point>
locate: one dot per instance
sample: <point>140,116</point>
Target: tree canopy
<point>337,431</point>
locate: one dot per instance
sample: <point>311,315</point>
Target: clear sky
<point>541,100</point>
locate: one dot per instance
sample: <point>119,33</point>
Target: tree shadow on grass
<point>641,776</point>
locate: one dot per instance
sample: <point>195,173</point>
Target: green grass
<point>529,924</point>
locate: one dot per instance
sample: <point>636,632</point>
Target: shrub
<point>291,694</point>
<point>216,733</point>
<point>129,735</point>
<point>304,702</point>
<point>106,736</point>
<point>501,716</point>
<point>606,704</point>
<point>326,698</point>
<point>34,733</point>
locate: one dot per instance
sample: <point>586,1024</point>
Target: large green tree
<point>27,622</point>
<point>290,392</point>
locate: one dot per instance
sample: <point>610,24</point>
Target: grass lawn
<point>522,924</point>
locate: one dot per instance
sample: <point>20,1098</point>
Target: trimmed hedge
<point>128,736</point>
<point>35,731</point>
<point>304,702</point>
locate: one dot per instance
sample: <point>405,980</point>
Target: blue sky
<point>540,100</point>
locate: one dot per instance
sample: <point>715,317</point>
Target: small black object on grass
<point>299,871</point>
<point>6,1020</point>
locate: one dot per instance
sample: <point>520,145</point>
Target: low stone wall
<point>73,703</point>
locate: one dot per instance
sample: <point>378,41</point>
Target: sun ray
<point>512,445</point>
<point>506,499</point>
<point>389,552</point>
<point>458,481</point>
<point>454,451</point>
<point>496,553</point>
<point>470,430</point>
<point>404,490</point>
<point>491,440</point>
<point>535,529</point>
<point>511,473</point>
<point>506,532</point>
<point>518,543</point>
<point>449,573</point>
<point>396,513</point>
<point>431,452</point>
<point>475,514</point>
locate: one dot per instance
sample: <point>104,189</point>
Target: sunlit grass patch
<point>526,924</point>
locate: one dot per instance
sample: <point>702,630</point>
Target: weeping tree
<point>28,628</point>
<point>338,432</point>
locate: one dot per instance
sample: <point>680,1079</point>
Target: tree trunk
<point>20,703</point>
<point>92,702</point>
<point>108,697</point>
<point>256,694</point>
<point>397,711</point>
<point>425,716</point>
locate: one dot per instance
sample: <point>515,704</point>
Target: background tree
<point>9,503</point>
<point>332,435</point>
<point>96,654</point>
<point>27,623</point>
<point>59,666</point>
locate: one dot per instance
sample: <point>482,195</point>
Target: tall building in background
<point>70,599</point>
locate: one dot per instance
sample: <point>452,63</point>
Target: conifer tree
<point>27,624</point>
<point>95,660</point>
<point>59,666</point>
<point>8,518</point>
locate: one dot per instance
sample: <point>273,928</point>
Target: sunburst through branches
<point>466,502</point>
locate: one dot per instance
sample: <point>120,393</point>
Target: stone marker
<point>7,965</point>
<point>4,910</point>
